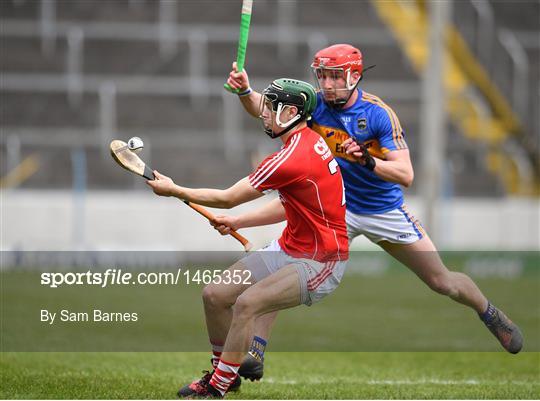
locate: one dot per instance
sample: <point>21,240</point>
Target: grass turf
<point>440,375</point>
<point>370,314</point>
<point>391,313</point>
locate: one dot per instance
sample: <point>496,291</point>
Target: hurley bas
<point>97,315</point>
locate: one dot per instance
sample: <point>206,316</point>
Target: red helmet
<point>341,61</point>
<point>344,57</point>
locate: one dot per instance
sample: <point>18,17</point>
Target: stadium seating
<point>154,95</point>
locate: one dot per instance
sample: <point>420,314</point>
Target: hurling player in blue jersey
<point>368,142</point>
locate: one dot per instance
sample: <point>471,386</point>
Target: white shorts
<point>317,279</point>
<point>398,226</point>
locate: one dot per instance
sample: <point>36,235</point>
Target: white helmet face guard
<point>267,106</point>
<point>334,95</point>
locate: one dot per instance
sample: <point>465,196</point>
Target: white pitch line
<point>271,380</point>
<point>424,381</point>
<point>315,380</point>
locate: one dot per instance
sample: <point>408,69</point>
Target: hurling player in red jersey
<point>309,259</point>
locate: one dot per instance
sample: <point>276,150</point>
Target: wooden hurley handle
<point>201,210</point>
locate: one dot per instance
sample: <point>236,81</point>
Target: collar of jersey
<point>293,133</point>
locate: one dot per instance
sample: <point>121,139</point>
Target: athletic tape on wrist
<point>246,92</point>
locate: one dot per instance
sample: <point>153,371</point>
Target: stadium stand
<point>77,73</point>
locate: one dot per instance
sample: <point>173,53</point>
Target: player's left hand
<point>162,185</point>
<point>359,152</point>
<point>353,149</point>
<point>224,224</point>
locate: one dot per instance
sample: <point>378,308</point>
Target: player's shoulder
<point>295,147</point>
<point>310,135</point>
<point>300,147</point>
<point>378,110</point>
<point>320,106</point>
<point>310,140</point>
<point>298,143</point>
<point>374,103</point>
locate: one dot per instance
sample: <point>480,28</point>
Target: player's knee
<point>245,306</point>
<point>214,296</point>
<point>441,284</point>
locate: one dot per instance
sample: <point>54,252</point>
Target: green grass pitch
<point>420,339</point>
<point>288,375</point>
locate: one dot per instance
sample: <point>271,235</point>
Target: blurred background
<point>76,74</point>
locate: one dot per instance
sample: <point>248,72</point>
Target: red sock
<point>224,375</point>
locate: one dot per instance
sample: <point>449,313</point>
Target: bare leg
<point>278,291</point>
<point>423,259</point>
<point>252,367</point>
<point>218,300</point>
<point>264,323</point>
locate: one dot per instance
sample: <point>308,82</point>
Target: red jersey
<point>311,190</point>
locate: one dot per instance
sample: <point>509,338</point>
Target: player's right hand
<point>162,185</point>
<point>224,224</point>
<point>238,80</point>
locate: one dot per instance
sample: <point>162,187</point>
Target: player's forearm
<point>398,172</point>
<point>271,213</point>
<point>239,193</point>
<point>204,196</point>
<point>251,103</point>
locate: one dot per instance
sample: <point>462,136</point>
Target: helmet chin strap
<point>350,88</point>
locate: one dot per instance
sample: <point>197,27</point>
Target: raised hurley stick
<point>242,39</point>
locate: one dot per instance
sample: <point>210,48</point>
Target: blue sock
<point>489,313</point>
<point>257,347</point>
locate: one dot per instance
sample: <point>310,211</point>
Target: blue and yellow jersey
<point>372,122</point>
